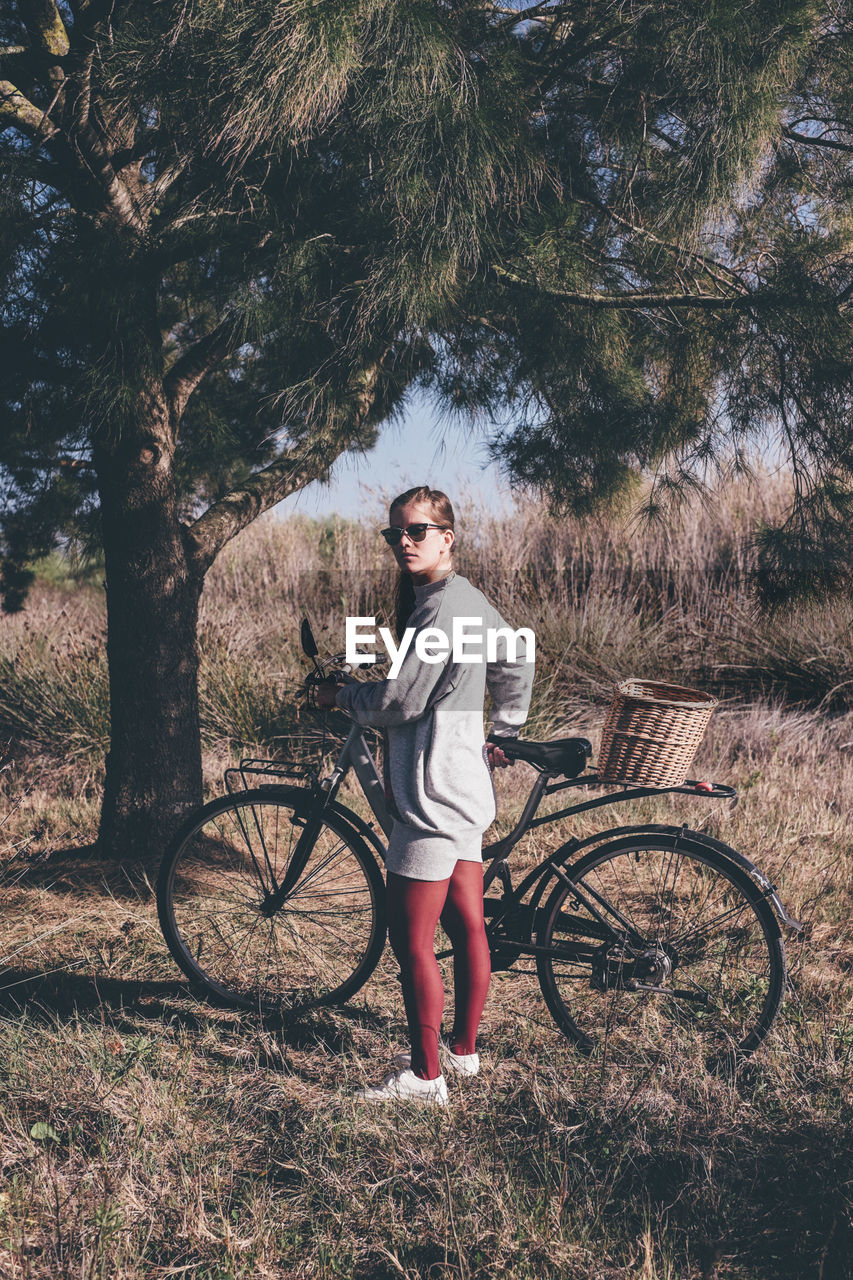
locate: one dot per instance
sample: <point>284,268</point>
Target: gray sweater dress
<point>436,766</point>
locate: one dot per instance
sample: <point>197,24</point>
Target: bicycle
<point>271,898</point>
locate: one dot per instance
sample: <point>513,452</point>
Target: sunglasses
<point>417,532</point>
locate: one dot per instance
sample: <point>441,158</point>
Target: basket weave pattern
<point>651,733</point>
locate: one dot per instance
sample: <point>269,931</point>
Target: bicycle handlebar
<point>315,678</point>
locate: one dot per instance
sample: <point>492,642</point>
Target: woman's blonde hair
<point>442,513</point>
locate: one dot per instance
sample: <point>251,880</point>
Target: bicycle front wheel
<point>213,896</point>
<point>690,957</point>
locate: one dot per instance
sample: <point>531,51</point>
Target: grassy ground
<point>144,1134</point>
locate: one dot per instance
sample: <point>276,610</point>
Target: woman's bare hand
<point>325,690</point>
<point>497,759</point>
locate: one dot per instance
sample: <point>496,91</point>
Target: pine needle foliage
<point>620,230</point>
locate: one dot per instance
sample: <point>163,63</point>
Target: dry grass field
<point>144,1134</point>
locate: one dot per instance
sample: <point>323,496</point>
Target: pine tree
<point>235,236</point>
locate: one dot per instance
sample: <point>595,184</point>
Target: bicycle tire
<point>318,949</point>
<point>715,954</point>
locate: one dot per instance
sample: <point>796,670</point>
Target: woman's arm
<point>380,703</point>
<point>510,684</point>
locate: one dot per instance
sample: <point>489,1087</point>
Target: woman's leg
<point>462,921</point>
<point>414,907</point>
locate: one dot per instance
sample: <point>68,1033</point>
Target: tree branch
<point>627,300</point>
<point>710,265</point>
<point>85,150</point>
<point>18,111</point>
<point>575,51</point>
<point>206,537</point>
<point>96,161</point>
<point>535,13</point>
<point>82,104</point>
<point>190,367</point>
<point>816,141</point>
<point>161,184</point>
<point>140,149</point>
<point>42,20</point>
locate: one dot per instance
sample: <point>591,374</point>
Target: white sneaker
<point>404,1083</point>
<point>463,1064</point>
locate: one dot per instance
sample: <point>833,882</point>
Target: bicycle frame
<point>355,754</point>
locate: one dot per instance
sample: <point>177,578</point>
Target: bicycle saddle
<point>567,756</point>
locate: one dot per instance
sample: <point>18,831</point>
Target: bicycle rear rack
<point>237,779</point>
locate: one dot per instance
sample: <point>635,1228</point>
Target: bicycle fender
<point>755,874</point>
<point>358,827</point>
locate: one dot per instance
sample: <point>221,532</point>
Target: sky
<point>424,448</point>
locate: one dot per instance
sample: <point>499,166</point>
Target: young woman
<point>438,781</point>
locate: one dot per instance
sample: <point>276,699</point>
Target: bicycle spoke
<point>317,870</point>
<point>708,926</point>
<point>708,968</point>
<point>319,942</point>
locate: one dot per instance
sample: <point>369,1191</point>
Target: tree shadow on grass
<point>80,872</point>
<point>789,1203</point>
<point>767,1203</point>
<point>62,994</point>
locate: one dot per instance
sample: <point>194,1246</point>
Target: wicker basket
<point>651,733</point>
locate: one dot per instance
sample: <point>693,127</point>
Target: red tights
<point>414,910</point>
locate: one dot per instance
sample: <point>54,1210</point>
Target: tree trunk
<point>153,769</point>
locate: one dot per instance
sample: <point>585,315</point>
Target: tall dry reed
<point>607,598</point>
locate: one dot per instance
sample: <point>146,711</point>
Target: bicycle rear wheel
<point>322,944</point>
<point>697,964</point>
